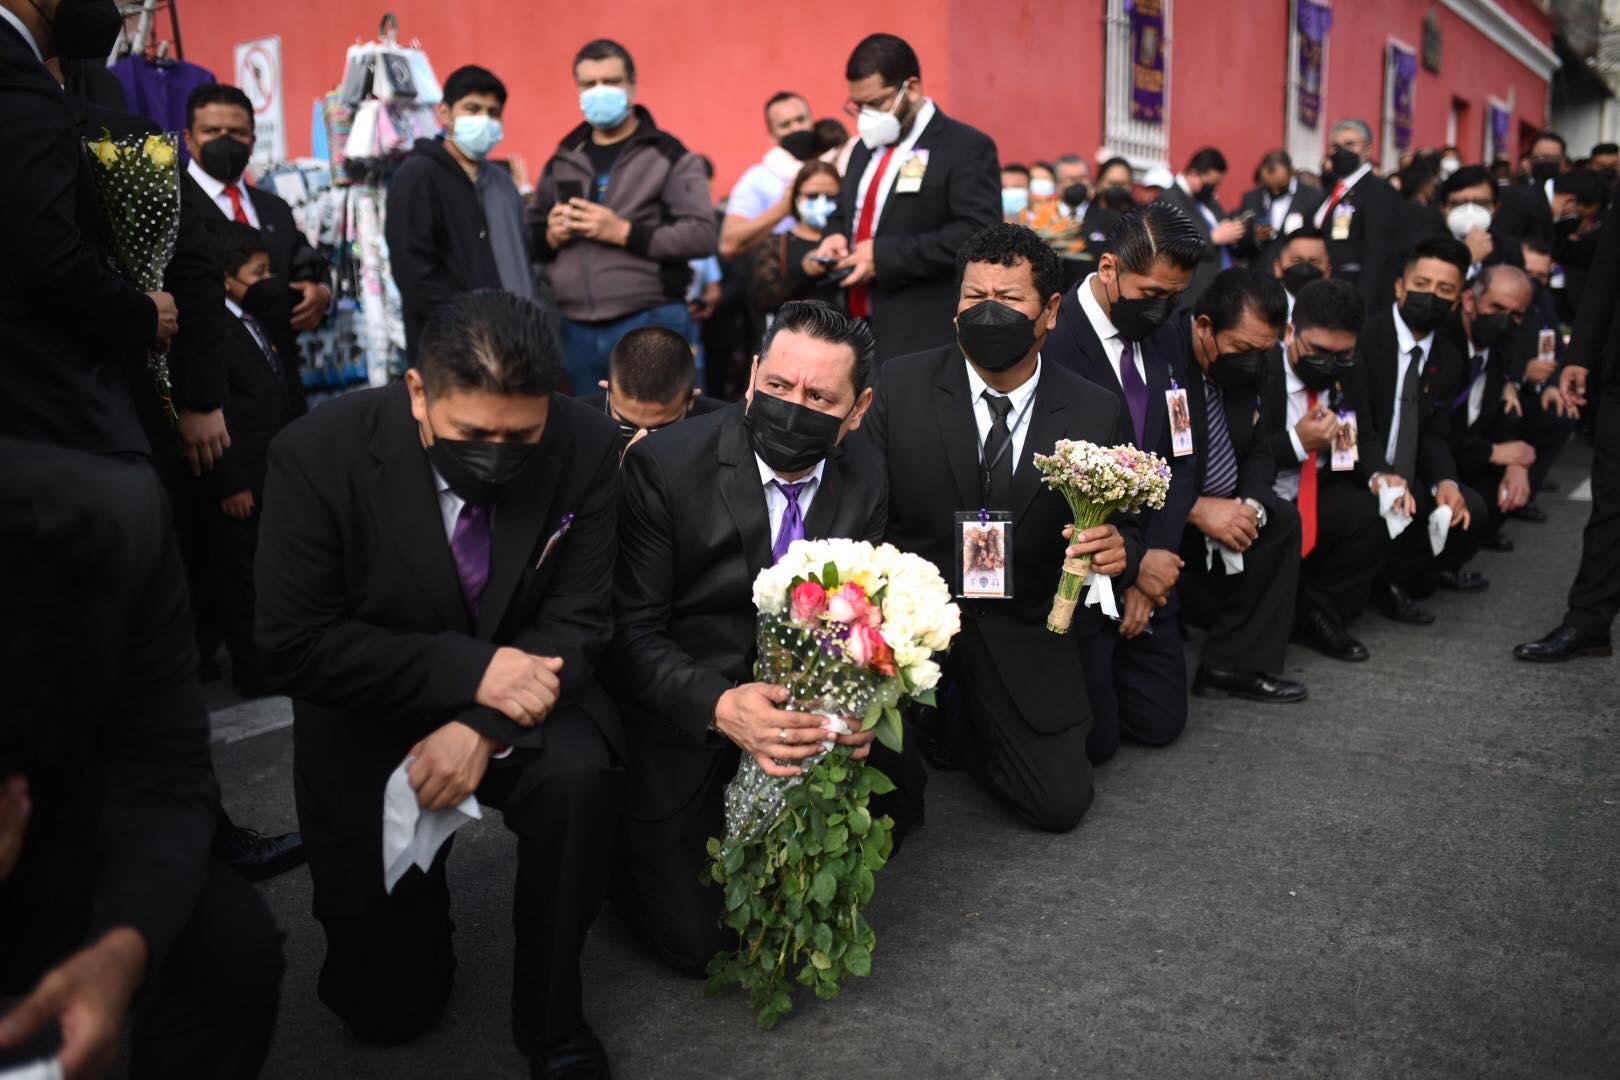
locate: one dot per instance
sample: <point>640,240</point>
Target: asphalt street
<point>1414,874</point>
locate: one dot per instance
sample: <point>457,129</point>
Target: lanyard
<point>1012,430</point>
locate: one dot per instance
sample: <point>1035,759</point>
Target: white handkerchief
<point>1232,559</point>
<point>1439,525</point>
<point>1100,594</point>
<point>47,1069</point>
<point>1397,520</point>
<point>411,836</point>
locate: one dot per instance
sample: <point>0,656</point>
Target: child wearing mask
<point>815,196</point>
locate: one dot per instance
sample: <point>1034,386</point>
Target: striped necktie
<point>1221,475</point>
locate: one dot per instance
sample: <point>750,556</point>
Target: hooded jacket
<point>661,188</point>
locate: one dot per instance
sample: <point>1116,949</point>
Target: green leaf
<point>881,784</point>
<point>736,894</point>
<point>734,859</point>
<point>888,733</point>
<point>858,960</point>
<point>836,840</point>
<point>826,991</point>
<point>714,847</point>
<point>873,858</point>
<point>860,820</point>
<point>807,975</point>
<point>820,961</point>
<point>829,576</point>
<point>926,697</point>
<point>823,938</point>
<point>823,887</point>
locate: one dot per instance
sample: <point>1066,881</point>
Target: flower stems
<point>1086,516</point>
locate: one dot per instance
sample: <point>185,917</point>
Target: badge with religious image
<point>1181,432</point>
<point>910,180</point>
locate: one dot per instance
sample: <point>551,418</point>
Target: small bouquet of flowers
<point>138,191</point>
<point>1097,481</point>
<point>850,629</point>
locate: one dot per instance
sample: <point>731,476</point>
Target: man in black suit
<point>1193,194</point>
<point>1592,367</point>
<point>1530,210</point>
<point>1468,199</point>
<point>959,426</point>
<point>1275,208</point>
<point>650,384</point>
<point>1298,259</point>
<point>107,800</point>
<point>220,137</point>
<point>1360,215</point>
<point>918,185</point>
<point>1406,380</point>
<point>407,625</point>
<point>70,328</point>
<point>1111,329</point>
<point>707,505</point>
<point>1241,543</point>
<point>1343,541</point>
<point>1548,419</point>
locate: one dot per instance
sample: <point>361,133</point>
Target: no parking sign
<point>258,73</point>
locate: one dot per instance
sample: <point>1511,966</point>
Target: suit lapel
<point>1198,413</point>
<point>818,523</point>
<point>1045,429</point>
<point>958,432</point>
<point>741,489</point>
<point>519,516</point>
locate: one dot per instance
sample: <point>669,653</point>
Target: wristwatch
<point>1259,509</point>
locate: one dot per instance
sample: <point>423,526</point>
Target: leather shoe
<point>1253,685</point>
<point>1497,542</point>
<point>256,856</point>
<point>1464,580</point>
<point>1330,639</point>
<point>1564,643</point>
<point>578,1057</point>
<point>1393,602</point>
<point>1529,513</point>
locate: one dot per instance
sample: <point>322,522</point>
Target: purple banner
<point>1499,121</point>
<point>1315,20</point>
<point>1147,60</point>
<point>1403,80</point>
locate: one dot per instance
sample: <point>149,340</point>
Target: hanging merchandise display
<point>155,77</point>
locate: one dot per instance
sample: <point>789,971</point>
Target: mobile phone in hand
<point>570,189</point>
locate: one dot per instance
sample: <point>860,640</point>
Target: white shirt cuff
<point>1299,447</point>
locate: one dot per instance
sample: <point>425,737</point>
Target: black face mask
<point>224,157</point>
<point>1607,177</point>
<point>268,300</point>
<point>994,336</point>
<point>1237,371</point>
<point>1118,198</point>
<point>1299,275</point>
<point>790,438</point>
<point>84,29</point>
<point>1075,196</point>
<point>1490,329</point>
<point>1567,225</point>
<point>801,144</point>
<point>1137,317</point>
<point>478,471</point>
<point>1543,171</point>
<point>1342,162</point>
<point>1423,311</point>
<point>1317,371</point>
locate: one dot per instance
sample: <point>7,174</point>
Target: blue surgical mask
<point>604,106</point>
<point>815,210</point>
<point>476,135</point>
<point>1013,201</point>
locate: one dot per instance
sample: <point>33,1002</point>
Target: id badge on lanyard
<point>983,544</point>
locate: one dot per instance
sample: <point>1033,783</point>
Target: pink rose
<point>848,605</point>
<point>867,648</point>
<point>809,601</point>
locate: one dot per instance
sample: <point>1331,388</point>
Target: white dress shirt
<point>1113,344</point>
<point>902,151</point>
<point>23,30</point>
<point>258,335</point>
<point>1476,389</point>
<point>1350,183</point>
<point>1203,207</point>
<point>215,190</point>
<point>450,505</point>
<point>1277,206</point>
<point>1404,343</point>
<point>1287,483</point>
<point>776,499</point>
<point>1023,403</point>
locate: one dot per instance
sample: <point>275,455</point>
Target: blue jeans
<point>586,345</point>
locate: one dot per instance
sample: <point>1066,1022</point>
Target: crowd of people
<point>525,571</point>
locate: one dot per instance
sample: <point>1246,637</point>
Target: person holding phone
<point>809,276</point>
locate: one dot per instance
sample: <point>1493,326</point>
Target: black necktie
<point>998,458</point>
<point>1406,436</point>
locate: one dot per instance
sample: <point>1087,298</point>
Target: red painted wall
<point>1228,83</point>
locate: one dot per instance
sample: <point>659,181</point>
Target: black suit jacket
<point>360,615</point>
<point>703,406</point>
<point>1523,212</point>
<point>1595,342</point>
<point>69,326</point>
<point>1376,390</point>
<point>914,245</point>
<point>1257,469</point>
<point>1274,425</point>
<point>1258,201</point>
<point>1209,264</point>
<point>1075,345</point>
<point>1366,258</point>
<point>1471,443</point>
<point>291,257</point>
<point>922,422</point>
<point>261,401</point>
<point>695,533</point>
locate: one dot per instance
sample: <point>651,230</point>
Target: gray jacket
<point>661,188</point>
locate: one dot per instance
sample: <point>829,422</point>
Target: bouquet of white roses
<point>1097,481</point>
<point>850,629</point>
<point>138,190</point>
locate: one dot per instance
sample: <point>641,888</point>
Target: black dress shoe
<point>578,1057</point>
<point>1254,685</point>
<point>1529,513</point>
<point>1464,580</point>
<point>256,856</point>
<point>1330,639</point>
<point>1565,643</point>
<point>1393,602</point>
<point>1497,542</point>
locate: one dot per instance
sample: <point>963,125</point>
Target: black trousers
<point>657,886</point>
<point>1352,545</point>
<point>1042,776</point>
<point>1549,433</point>
<point>1487,481</point>
<point>208,1011</point>
<point>389,958</point>
<point>1413,563</point>
<point>1250,615</point>
<point>1594,599</point>
<point>225,589</point>
<point>1138,685</point>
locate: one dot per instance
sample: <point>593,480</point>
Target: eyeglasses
<point>883,104</point>
<point>1341,360</point>
<point>627,430</point>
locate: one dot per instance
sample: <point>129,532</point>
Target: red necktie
<point>236,204</point>
<point>1307,490</point>
<point>1327,211</point>
<point>858,305</point>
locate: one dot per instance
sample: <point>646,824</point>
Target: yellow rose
<point>106,153</point>
<point>158,151</point>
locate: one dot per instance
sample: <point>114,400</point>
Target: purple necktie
<point>1136,392</point>
<point>469,546</point>
<point>792,527</point>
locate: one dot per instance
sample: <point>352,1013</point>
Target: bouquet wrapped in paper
<point>1097,482</point>
<point>850,629</point>
<point>138,192</point>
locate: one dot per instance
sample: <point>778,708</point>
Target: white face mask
<point>881,128</point>
<point>1464,219</point>
<point>1042,188</point>
<point>1448,166</point>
